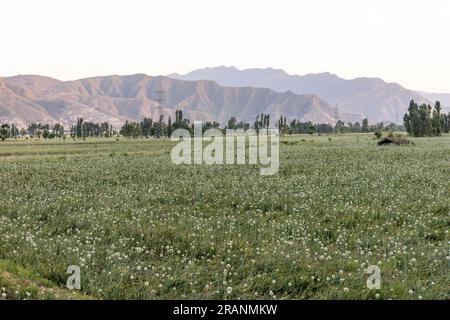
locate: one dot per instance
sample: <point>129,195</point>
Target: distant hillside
<point>444,98</point>
<point>369,97</point>
<point>17,106</point>
<point>29,98</point>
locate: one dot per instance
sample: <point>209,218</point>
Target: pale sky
<point>398,40</point>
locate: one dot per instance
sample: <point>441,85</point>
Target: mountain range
<point>206,94</point>
<point>30,98</point>
<point>369,97</point>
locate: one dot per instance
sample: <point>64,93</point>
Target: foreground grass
<point>142,228</point>
<point>17,283</point>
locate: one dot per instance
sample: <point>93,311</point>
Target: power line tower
<point>336,119</point>
<point>159,126</point>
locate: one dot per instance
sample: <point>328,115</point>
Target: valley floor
<point>141,227</point>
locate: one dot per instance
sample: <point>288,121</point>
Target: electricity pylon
<point>159,126</point>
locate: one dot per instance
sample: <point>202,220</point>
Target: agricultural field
<point>141,227</point>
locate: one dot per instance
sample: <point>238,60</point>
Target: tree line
<point>81,129</point>
<point>37,130</point>
<point>84,129</point>
<point>150,128</point>
<point>425,121</point>
<point>147,127</point>
<point>421,120</point>
<point>309,127</point>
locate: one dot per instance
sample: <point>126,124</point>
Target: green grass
<point>18,283</point>
<point>142,228</point>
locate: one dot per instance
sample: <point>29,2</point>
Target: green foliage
<point>262,121</point>
<point>131,130</point>
<point>141,227</point>
<point>423,121</point>
<point>365,126</point>
<point>46,134</point>
<point>18,283</point>
<point>4,131</point>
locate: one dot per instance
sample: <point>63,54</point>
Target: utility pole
<point>336,119</point>
<point>159,125</point>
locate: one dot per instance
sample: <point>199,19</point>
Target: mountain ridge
<point>373,98</point>
<point>117,99</point>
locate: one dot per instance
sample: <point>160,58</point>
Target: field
<point>141,227</point>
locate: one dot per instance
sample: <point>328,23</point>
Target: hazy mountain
<point>17,106</point>
<point>24,99</point>
<point>369,97</point>
<point>444,98</point>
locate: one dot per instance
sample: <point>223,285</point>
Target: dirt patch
<point>395,141</point>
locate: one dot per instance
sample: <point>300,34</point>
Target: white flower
<point>229,290</point>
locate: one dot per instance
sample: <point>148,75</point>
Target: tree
<point>105,129</point>
<point>232,123</point>
<point>131,130</point>
<point>267,121</point>
<point>446,122</point>
<point>437,121</point>
<point>46,134</point>
<point>33,129</point>
<point>4,131</point>
<point>169,127</point>
<point>422,121</point>
<point>58,130</point>
<point>13,131</point>
<point>406,122</point>
<point>282,125</point>
<point>79,128</point>
<point>180,123</point>
<point>311,129</point>
<point>146,127</point>
<point>365,125</point>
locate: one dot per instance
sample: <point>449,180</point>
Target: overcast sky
<point>398,40</point>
